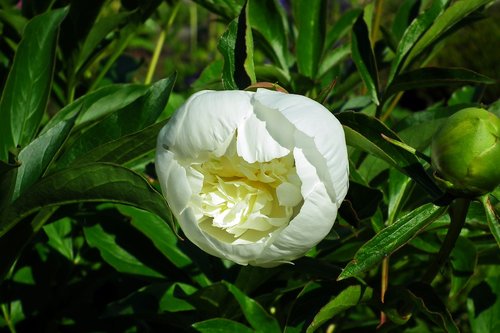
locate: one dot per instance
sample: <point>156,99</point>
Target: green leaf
<point>413,33</point>
<point>435,77</point>
<point>347,298</point>
<point>36,157</point>
<point>267,18</point>
<point>483,304</point>
<point>221,325</point>
<point>115,255</point>
<point>59,234</point>
<point>341,27</point>
<point>391,239</point>
<point>102,27</point>
<point>364,58</point>
<point>451,16</point>
<point>310,17</point>
<point>463,260</point>
<point>333,58</point>
<point>27,89</point>
<point>492,217</point>
<point>404,16</point>
<point>134,117</point>
<point>97,182</point>
<point>163,239</point>
<point>427,300</point>
<point>236,46</point>
<point>364,132</point>
<point>125,149</point>
<point>258,318</point>
<point>98,104</point>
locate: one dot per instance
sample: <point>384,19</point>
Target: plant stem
<point>159,45</point>
<point>458,213</point>
<point>376,21</point>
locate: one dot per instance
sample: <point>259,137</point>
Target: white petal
<point>312,120</point>
<point>288,194</point>
<point>206,123</point>
<point>255,144</point>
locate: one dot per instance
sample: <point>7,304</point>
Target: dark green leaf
<point>451,16</point>
<point>236,46</point>
<point>435,77</point>
<point>333,58</point>
<point>427,299</point>
<point>163,239</point>
<point>132,118</point>
<point>98,182</point>
<point>36,157</point>
<point>413,33</point>
<point>27,89</point>
<point>341,27</point>
<point>492,217</point>
<point>483,304</point>
<point>14,19</point>
<point>310,17</point>
<point>391,239</point>
<point>463,260</point>
<point>364,132</point>
<point>347,298</point>
<point>228,9</point>
<point>115,255</point>
<point>260,320</point>
<point>221,325</point>
<point>404,16</point>
<point>125,149</point>
<point>364,58</point>
<point>268,19</point>
<point>59,234</point>
<point>97,34</point>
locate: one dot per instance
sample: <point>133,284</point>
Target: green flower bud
<point>466,152</point>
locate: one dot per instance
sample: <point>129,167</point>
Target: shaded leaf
<point>391,238</point>
<point>221,325</point>
<point>347,298</point>
<point>483,304</point>
<point>115,255</point>
<point>268,19</point>
<point>310,17</point>
<point>492,217</point>
<point>125,149</point>
<point>59,234</point>
<point>404,16</point>
<point>427,299</point>
<point>463,260</point>
<point>132,118</point>
<point>236,46</point>
<point>413,33</point>
<point>451,16</point>
<point>260,320</point>
<point>341,27</point>
<point>365,132</point>
<point>36,157</point>
<point>435,77</point>
<point>97,182</point>
<point>27,89</point>
<point>98,104</point>
<point>364,58</point>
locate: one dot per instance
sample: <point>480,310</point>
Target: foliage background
<point>87,241</point>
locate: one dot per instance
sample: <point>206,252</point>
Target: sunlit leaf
<point>27,89</point>
<point>391,239</point>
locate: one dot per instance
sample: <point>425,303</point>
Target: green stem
<point>376,21</point>
<point>159,45</point>
<point>458,213</point>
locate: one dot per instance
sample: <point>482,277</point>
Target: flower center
<point>245,202</point>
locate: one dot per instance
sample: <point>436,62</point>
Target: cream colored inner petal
<point>241,202</point>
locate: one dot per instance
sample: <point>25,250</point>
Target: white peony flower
<point>255,178</point>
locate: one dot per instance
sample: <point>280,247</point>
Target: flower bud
<point>466,152</point>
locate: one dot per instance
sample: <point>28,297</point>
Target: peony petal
<point>312,120</point>
<point>206,123</point>
<point>255,144</point>
<point>288,194</point>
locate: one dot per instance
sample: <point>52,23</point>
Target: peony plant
<point>253,177</point>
